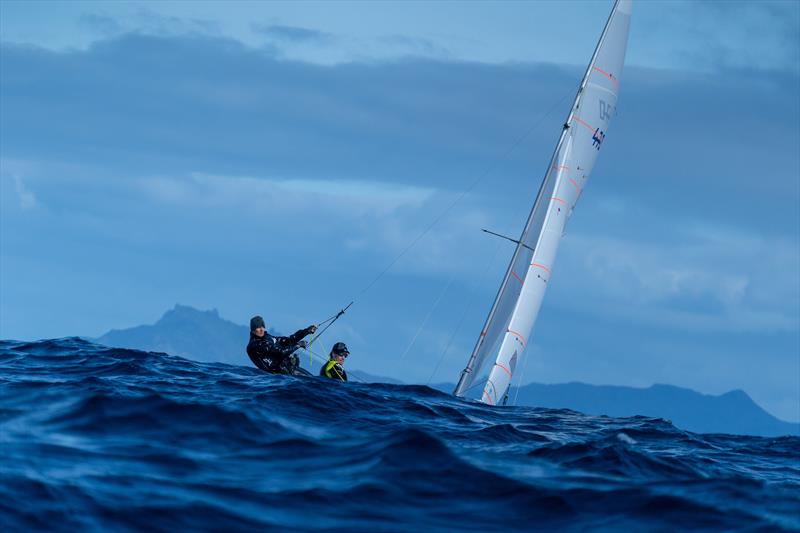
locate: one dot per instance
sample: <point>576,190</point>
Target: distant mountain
<point>205,336</point>
<point>185,331</point>
<point>733,412</point>
<point>363,377</point>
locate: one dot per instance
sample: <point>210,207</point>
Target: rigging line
<point>508,239</point>
<point>336,315</point>
<point>478,382</point>
<point>332,320</point>
<point>319,357</point>
<point>469,189</point>
<point>466,310</point>
<point>427,317</point>
<point>449,343</point>
<point>310,353</point>
<point>315,337</point>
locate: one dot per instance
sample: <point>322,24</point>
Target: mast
<point>519,296</point>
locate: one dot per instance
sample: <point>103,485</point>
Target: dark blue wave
<point>98,439</point>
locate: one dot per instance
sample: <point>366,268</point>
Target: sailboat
<point>508,326</point>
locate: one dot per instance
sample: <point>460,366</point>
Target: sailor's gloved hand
<point>302,344</point>
<point>311,329</point>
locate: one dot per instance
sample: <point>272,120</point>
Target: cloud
<point>340,198</point>
<point>294,34</point>
<point>775,23</point>
<point>370,218</point>
<point>150,22</point>
<point>102,25</point>
<point>27,200</point>
<point>718,35</point>
<point>415,46</point>
<point>149,105</point>
<point>254,113</point>
<point>143,21</point>
<point>711,278</point>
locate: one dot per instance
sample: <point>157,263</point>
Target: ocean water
<point>102,439</point>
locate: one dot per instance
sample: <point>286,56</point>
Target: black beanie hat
<point>256,322</point>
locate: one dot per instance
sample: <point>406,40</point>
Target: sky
<point>275,158</point>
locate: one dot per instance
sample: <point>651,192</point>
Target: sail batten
<point>513,313</point>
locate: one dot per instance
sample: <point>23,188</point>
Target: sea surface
<point>102,439</point>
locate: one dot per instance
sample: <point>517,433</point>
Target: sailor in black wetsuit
<point>275,354</point>
<point>333,369</point>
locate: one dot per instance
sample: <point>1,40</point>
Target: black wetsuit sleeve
<point>297,336</point>
<point>286,345</point>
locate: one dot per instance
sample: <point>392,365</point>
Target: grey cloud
<point>149,22</point>
<point>691,143</point>
<point>191,103</point>
<point>145,21</point>
<point>294,34</point>
<point>415,45</point>
<point>710,33</point>
<point>102,25</point>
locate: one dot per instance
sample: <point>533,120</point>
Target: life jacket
<point>333,370</point>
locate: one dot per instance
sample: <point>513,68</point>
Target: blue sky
<point>273,158</point>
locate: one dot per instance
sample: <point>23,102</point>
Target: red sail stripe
<point>504,368</point>
<point>541,266</point>
<point>607,75</point>
<point>585,124</point>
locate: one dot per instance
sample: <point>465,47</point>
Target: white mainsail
<point>510,321</point>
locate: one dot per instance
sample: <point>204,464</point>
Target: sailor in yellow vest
<point>333,369</point>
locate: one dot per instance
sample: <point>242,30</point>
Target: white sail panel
<point>527,306</point>
<point>516,307</point>
<point>498,321</point>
